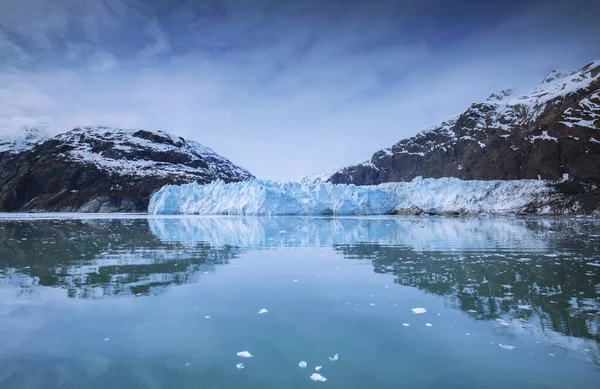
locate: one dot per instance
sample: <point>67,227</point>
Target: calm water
<point>169,302</point>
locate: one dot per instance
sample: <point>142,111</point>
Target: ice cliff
<point>435,196</point>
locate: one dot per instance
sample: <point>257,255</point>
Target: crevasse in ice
<point>263,197</point>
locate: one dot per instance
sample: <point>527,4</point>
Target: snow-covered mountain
<point>546,133</point>
<point>101,169</point>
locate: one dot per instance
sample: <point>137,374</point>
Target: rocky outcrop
<point>551,132</point>
<point>102,169</point>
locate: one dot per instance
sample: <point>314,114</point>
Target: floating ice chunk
<point>525,307</point>
<point>107,339</point>
<point>506,346</point>
<point>334,358</point>
<point>318,377</point>
<point>240,366</point>
<point>468,334</point>
<point>188,364</point>
<point>264,310</point>
<point>371,304</point>
<point>207,317</point>
<point>552,355</point>
<point>419,311</point>
<point>295,280</point>
<point>406,324</point>
<point>472,311</point>
<point>206,272</point>
<point>244,354</point>
<point>502,322</point>
<point>428,324</point>
<point>302,364</point>
<point>318,368</point>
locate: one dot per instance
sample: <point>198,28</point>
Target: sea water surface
<point>234,302</point>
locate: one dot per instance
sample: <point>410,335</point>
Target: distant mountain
<point>27,140</point>
<point>549,133</point>
<point>100,169</point>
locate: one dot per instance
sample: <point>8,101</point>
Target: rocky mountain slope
<point>100,169</point>
<point>550,132</point>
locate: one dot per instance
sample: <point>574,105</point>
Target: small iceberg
<point>318,368</point>
<point>302,364</point>
<point>334,358</point>
<point>244,354</point>
<point>506,346</point>
<point>318,377</point>
<point>262,311</point>
<point>240,366</point>
<point>428,325</point>
<point>419,311</point>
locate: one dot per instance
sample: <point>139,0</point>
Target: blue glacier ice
<point>264,197</point>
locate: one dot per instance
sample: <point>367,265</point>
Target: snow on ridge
<point>124,145</point>
<point>506,109</point>
<point>30,137</point>
<point>318,177</point>
<point>263,197</point>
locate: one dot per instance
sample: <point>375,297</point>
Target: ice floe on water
<point>302,364</point>
<point>262,311</point>
<point>506,346</point>
<point>334,358</point>
<point>244,354</point>
<point>318,377</point>
<point>240,366</point>
<point>318,368</point>
<point>406,324</point>
<point>419,311</point>
<point>264,197</point>
<point>428,325</point>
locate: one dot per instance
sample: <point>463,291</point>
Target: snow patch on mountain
<point>262,197</point>
<point>144,152</point>
<point>26,140</point>
<point>317,177</point>
<point>504,111</point>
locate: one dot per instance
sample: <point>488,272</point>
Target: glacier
<point>434,196</point>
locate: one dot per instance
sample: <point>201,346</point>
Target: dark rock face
<point>547,133</point>
<point>104,170</point>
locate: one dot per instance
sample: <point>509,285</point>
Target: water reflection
<point>544,271</point>
<point>99,258</point>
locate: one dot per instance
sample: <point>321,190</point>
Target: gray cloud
<point>281,89</point>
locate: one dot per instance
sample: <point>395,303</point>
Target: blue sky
<point>283,88</point>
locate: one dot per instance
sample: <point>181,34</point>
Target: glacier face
<point>443,195</point>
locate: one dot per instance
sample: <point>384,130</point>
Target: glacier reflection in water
<point>508,281</point>
<point>419,233</point>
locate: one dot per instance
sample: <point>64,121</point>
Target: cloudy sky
<point>283,88</point>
